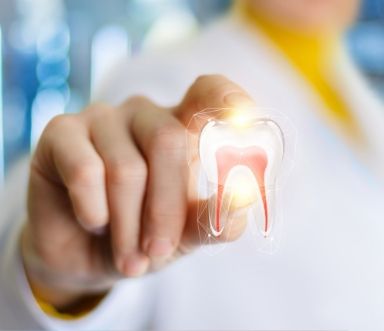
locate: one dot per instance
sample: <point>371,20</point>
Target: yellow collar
<point>313,56</point>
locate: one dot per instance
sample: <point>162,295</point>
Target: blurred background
<point>52,52</point>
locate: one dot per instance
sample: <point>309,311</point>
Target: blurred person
<point>108,203</point>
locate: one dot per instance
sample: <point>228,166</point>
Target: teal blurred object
<point>1,116</point>
<point>48,57</point>
<point>366,43</point>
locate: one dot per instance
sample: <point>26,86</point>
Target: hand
<point>109,194</point>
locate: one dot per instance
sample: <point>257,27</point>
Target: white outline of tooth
<point>284,128</point>
<point>262,133</point>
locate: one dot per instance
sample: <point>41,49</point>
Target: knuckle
<point>86,173</point>
<point>97,108</point>
<point>169,138</point>
<point>135,104</point>
<point>96,116</point>
<point>136,101</point>
<point>59,122</point>
<point>126,170</point>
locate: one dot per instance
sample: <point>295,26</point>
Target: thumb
<point>212,91</point>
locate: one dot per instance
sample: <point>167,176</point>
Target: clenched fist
<point>109,193</point>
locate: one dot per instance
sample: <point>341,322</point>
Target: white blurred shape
<point>171,28</point>
<point>16,106</point>
<point>38,12</point>
<point>53,41</point>
<point>35,17</point>
<point>1,115</point>
<point>109,45</point>
<point>21,38</point>
<point>47,104</point>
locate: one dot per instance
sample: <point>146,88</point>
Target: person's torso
<point>328,270</point>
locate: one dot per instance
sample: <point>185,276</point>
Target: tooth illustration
<point>241,162</point>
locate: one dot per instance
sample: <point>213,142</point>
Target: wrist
<point>62,304</point>
<point>52,287</point>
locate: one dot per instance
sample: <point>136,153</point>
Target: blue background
<point>49,46</point>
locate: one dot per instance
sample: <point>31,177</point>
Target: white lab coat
<point>328,272</point>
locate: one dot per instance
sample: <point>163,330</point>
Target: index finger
<point>211,92</point>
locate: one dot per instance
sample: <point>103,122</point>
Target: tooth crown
<point>263,133</point>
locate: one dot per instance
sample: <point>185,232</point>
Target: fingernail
<point>99,231</point>
<point>160,247</point>
<point>238,99</point>
<point>136,266</point>
<point>91,228</point>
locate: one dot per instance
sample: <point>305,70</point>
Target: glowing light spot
<point>240,119</point>
<point>243,190</point>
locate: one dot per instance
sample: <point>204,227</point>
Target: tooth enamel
<point>256,151</point>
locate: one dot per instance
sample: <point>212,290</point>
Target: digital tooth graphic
<point>241,158</point>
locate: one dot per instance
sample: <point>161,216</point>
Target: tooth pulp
<point>227,158</point>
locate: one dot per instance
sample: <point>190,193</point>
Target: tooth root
<point>219,208</point>
<point>218,223</point>
<point>257,161</point>
<point>227,158</point>
<point>224,162</point>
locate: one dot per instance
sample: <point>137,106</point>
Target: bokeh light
<point>54,51</point>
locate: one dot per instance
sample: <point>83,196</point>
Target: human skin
<point>97,211</point>
<point>97,208</point>
<point>309,16</point>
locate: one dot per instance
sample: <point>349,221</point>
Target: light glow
<point>240,119</point>
<point>243,189</point>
